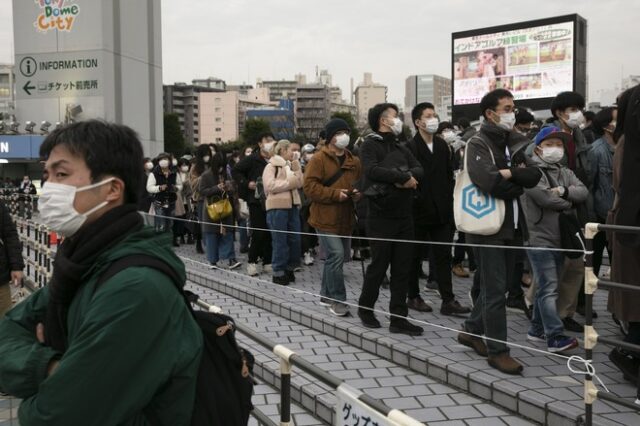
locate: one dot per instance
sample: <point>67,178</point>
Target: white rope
<point>354,305</point>
<point>589,369</point>
<point>392,240</point>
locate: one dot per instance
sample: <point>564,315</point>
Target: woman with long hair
<point>201,162</point>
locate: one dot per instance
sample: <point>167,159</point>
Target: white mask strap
<point>95,185</point>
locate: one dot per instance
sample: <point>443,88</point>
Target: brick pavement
<point>423,398</point>
<point>546,393</point>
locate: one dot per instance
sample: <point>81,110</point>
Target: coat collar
<point>278,161</point>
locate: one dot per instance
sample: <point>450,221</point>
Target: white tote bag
<point>475,211</point>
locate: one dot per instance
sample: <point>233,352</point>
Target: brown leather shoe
<point>475,343</point>
<point>453,307</point>
<point>459,271</point>
<point>503,362</point>
<point>418,304</point>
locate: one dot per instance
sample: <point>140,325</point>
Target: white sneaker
<point>267,269</point>
<point>308,259</point>
<point>252,269</point>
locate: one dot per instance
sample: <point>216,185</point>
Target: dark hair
<point>444,125</point>
<point>523,116</point>
<point>602,119</point>
<point>264,135</point>
<point>200,165</point>
<point>163,155</point>
<point>417,111</point>
<point>492,99</point>
<point>376,112</point>
<point>322,135</point>
<point>623,104</point>
<point>183,162</point>
<point>565,100</point>
<point>106,148</point>
<point>589,115</point>
<point>464,123</point>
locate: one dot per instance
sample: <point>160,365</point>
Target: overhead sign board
<point>62,74</point>
<point>20,146</point>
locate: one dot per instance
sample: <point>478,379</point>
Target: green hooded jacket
<point>134,348</point>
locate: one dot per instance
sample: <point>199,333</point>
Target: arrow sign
<point>27,88</point>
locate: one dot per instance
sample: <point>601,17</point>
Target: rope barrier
<point>589,368</point>
<point>392,240</point>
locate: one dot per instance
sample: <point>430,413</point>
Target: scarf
<point>75,256</point>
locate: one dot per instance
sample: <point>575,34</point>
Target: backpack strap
<point>137,260</point>
<point>333,179</point>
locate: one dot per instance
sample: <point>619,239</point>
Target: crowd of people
<point>371,197</point>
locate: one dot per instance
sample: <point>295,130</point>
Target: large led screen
<point>532,63</point>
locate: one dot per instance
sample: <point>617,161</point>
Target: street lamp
<point>28,126</point>
<point>44,127</point>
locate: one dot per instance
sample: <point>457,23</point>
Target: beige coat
<point>281,183</point>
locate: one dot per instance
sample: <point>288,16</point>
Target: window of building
<point>218,120</point>
<point>218,129</point>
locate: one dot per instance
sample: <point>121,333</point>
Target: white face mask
<point>56,207</point>
<point>174,162</point>
<point>431,125</point>
<point>342,141</point>
<point>248,153</point>
<point>552,154</point>
<point>396,127</point>
<point>164,163</point>
<point>206,158</point>
<point>611,127</point>
<point>449,136</point>
<point>575,119</point>
<point>507,120</point>
<point>184,169</point>
<point>268,147</point>
<point>149,166</point>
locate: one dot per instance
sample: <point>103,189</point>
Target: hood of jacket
<point>277,161</point>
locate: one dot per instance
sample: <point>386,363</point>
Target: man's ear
<point>116,190</point>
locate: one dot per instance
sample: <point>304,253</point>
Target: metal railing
<point>289,358</point>
<point>591,338</point>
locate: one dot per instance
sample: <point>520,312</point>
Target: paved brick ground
<point>423,398</point>
<point>547,392</point>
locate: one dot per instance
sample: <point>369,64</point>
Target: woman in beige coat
<point>282,178</point>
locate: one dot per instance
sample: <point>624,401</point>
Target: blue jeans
<point>489,314</point>
<point>547,267</point>
<point>333,275</point>
<point>219,247</point>
<point>286,246</point>
<point>163,224</point>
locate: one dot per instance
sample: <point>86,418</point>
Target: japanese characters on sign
<point>350,411</point>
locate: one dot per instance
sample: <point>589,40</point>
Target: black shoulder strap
<point>333,179</point>
<point>136,260</point>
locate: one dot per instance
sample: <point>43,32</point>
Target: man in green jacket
<point>126,352</point>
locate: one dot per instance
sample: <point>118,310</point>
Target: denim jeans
<point>163,217</point>
<point>219,247</point>
<point>244,235</point>
<point>286,245</point>
<point>547,267</point>
<point>332,273</point>
<point>489,314</point>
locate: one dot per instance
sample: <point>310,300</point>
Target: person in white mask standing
<point>100,317</point>
<point>558,191</point>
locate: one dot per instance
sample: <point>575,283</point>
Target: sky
<point>242,40</point>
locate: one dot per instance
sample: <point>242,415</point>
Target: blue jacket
<point>601,174</point>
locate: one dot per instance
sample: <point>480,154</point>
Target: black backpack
<point>225,382</point>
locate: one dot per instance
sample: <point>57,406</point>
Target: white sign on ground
<point>61,74</point>
<point>350,411</point>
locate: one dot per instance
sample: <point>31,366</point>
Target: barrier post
<point>285,383</point>
<point>590,286</point>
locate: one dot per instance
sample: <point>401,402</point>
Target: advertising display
<point>534,60</point>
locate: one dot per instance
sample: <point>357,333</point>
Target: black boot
<point>182,239</point>
<point>199,246</point>
<point>189,239</point>
<point>175,242</point>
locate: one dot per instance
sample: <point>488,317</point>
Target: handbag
<point>476,212</point>
<point>220,209</point>
<point>571,236</point>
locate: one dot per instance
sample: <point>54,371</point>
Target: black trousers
<point>439,259</point>
<point>383,254</point>
<point>260,246</point>
<point>459,252</point>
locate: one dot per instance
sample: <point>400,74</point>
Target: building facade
<point>211,83</point>
<point>281,118</point>
<point>368,94</point>
<point>429,88</point>
<point>279,89</point>
<point>312,109</point>
<point>7,91</point>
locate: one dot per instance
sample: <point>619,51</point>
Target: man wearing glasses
<point>495,265</point>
